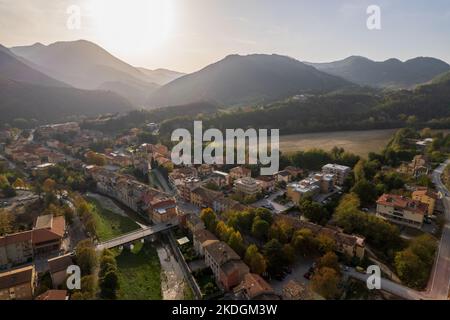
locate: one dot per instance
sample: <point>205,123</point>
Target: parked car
<point>307,275</point>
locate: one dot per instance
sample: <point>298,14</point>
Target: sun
<point>132,24</point>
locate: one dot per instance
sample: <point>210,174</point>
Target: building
<point>247,186</point>
<point>426,196</point>
<point>205,169</point>
<point>203,197</point>
<point>420,165</point>
<point>228,268</point>
<point>326,182</point>
<point>53,295</point>
<point>163,210</point>
<point>283,176</point>
<point>267,183</point>
<point>18,284</point>
<point>194,223</point>
<point>202,238</point>
<point>401,210</point>
<point>221,179</point>
<point>306,188</point>
<point>295,172</point>
<point>22,247</point>
<point>253,287</point>
<point>16,249</point>
<point>340,172</point>
<point>240,172</point>
<point>48,233</point>
<point>58,269</point>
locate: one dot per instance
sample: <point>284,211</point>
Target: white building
<point>341,172</point>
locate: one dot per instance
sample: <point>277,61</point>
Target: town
<point>141,227</point>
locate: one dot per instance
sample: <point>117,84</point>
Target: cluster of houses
<point>32,155</point>
<point>153,204</point>
<point>230,272</point>
<point>18,251</point>
<point>332,176</point>
<point>21,283</point>
<point>233,275</point>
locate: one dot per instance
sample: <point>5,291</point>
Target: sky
<point>187,35</point>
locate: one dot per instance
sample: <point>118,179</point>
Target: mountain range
<point>30,94</point>
<point>391,73</point>
<point>75,78</point>
<point>85,65</point>
<point>238,80</point>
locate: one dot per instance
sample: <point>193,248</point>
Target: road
<point>389,286</point>
<point>439,284</point>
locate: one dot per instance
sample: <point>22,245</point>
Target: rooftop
<point>16,277</point>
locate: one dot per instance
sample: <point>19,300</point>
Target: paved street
<point>439,284</point>
<point>391,287</point>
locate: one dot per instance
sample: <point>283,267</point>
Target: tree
<point>329,260</point>
<point>255,260</point>
<point>358,170</point>
<point>273,251</point>
<point>49,185</point>
<point>236,242</point>
<point>86,256</point>
<point>289,253</point>
<point>223,231</point>
<point>325,282</point>
<point>209,218</point>
<point>88,287</point>
<point>95,158</point>
<point>260,228</point>
<point>424,247</point>
<point>3,182</point>
<point>108,278</point>
<point>313,211</point>
<point>365,191</point>
<point>304,242</point>
<point>6,222</point>
<point>325,243</point>
<point>411,269</point>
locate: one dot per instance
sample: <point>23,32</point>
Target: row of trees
<point>86,259</point>
<point>85,211</point>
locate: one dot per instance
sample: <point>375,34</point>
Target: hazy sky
<point>186,35</point>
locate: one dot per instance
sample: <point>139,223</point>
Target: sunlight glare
<point>130,25</point>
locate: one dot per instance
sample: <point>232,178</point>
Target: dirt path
<point>172,280</point>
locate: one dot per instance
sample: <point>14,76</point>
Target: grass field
<point>358,142</point>
<point>139,273</point>
<point>109,224</point>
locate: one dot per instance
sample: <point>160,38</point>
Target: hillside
<point>50,104</point>
<point>86,65</point>
<point>13,68</point>
<point>238,80</point>
<point>428,105</point>
<point>391,73</point>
